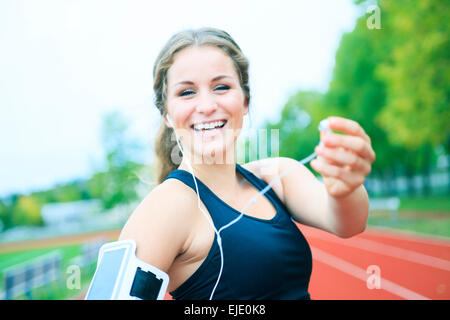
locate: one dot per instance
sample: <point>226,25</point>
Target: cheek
<point>234,104</point>
<point>180,112</point>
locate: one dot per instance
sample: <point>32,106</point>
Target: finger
<point>341,173</point>
<point>353,143</point>
<point>343,157</point>
<point>348,126</point>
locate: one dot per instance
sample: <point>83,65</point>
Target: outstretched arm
<point>340,204</point>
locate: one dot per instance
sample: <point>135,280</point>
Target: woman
<point>202,91</point>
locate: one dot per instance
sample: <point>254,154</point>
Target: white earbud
<point>170,120</point>
<point>324,125</point>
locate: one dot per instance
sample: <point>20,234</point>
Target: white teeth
<point>207,126</point>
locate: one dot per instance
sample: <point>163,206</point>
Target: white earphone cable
<point>322,126</point>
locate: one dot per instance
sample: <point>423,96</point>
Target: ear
<point>245,108</point>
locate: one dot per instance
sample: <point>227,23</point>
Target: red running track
<point>378,265</point>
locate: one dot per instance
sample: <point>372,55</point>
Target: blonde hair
<point>165,144</point>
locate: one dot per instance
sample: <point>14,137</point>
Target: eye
<point>186,92</point>
<point>222,87</point>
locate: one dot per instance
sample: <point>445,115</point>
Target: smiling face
<point>205,102</point>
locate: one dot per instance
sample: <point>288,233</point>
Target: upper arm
<point>160,226</point>
<point>304,195</point>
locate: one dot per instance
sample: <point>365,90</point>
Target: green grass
<point>431,227</point>
<point>425,203</point>
<point>10,259</point>
<point>58,289</point>
<point>427,215</point>
<point>13,258</point>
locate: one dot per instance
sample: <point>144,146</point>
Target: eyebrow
<point>219,77</point>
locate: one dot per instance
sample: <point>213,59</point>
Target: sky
<point>64,64</point>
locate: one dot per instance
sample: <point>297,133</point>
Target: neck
<point>219,174</point>
<point>219,177</point>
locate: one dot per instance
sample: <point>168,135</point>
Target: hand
<point>344,161</point>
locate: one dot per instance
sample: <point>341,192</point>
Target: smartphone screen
<point>106,275</point>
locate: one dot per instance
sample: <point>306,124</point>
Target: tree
<point>64,192</point>
<point>356,91</point>
<point>418,74</point>
<point>298,124</point>
<point>27,211</point>
<point>117,183</point>
<point>5,216</point>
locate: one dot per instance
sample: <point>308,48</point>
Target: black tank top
<point>263,259</point>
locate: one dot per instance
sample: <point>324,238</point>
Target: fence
<point>436,183</point>
<point>391,204</point>
<point>22,278</point>
<point>89,253</point>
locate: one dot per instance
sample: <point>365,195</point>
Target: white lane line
<point>388,250</point>
<point>361,274</point>
<point>400,235</point>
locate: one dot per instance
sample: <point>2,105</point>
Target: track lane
<point>328,283</point>
<point>398,271</point>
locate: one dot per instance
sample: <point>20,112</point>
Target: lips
<point>209,125</point>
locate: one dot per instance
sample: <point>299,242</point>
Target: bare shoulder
<point>161,223</point>
<point>167,201</point>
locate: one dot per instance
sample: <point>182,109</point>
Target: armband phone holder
<point>120,275</point>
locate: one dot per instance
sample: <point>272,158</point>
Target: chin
<point>214,153</point>
<point>213,148</point>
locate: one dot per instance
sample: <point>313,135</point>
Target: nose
<point>206,103</point>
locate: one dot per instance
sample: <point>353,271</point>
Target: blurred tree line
<point>394,81</point>
<point>115,183</point>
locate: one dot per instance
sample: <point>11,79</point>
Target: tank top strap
<point>216,207</point>
<point>260,184</point>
